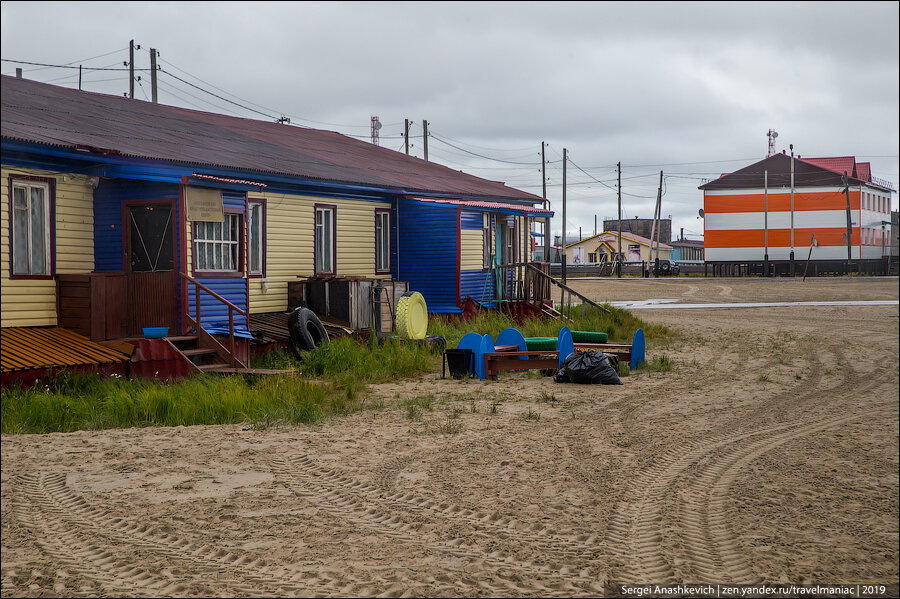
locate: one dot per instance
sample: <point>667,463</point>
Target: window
<point>486,233</point>
<point>217,246</point>
<point>31,239</point>
<point>256,229</point>
<point>325,240</point>
<point>382,241</point>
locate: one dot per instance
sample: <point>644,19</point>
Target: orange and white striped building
<point>750,213</point>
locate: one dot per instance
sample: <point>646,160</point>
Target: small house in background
<point>687,250</point>
<point>120,214</point>
<point>603,247</point>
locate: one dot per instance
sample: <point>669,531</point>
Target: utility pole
<point>546,206</point>
<point>79,77</point>
<point>153,75</point>
<point>619,187</point>
<point>131,69</point>
<point>792,210</point>
<point>766,222</point>
<point>425,135</point>
<point>654,234</point>
<point>595,224</point>
<point>406,135</point>
<point>848,235</point>
<point>563,248</point>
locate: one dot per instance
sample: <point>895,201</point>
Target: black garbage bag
<point>589,368</point>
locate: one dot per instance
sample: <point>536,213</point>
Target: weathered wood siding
<point>28,302</point>
<point>290,238</point>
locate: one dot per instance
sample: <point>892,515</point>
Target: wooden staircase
<point>202,350</point>
<point>202,359</point>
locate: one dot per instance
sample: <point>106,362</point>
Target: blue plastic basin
<point>155,332</point>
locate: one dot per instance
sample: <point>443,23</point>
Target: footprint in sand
<point>725,290</point>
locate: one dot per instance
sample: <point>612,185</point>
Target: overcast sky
<point>687,88</point>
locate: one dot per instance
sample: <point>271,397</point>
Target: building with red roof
<point>784,207</point>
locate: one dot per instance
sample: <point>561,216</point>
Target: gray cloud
<point>688,88</point>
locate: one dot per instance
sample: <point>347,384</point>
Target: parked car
<point>668,267</point>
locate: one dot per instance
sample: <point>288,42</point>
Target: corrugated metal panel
<point>33,348</point>
<point>104,124</point>
<point>213,312</point>
<point>235,200</point>
<point>108,198</point>
<point>497,207</point>
<point>470,219</point>
<point>477,284</point>
<point>427,253</point>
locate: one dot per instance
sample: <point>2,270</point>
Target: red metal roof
<point>532,211</point>
<point>839,164</point>
<point>625,236</point>
<point>57,116</point>
<point>231,181</point>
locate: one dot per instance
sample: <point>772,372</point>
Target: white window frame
<point>382,241</point>
<point>324,256</point>
<point>255,241</point>
<point>31,269</point>
<point>487,238</point>
<point>217,245</point>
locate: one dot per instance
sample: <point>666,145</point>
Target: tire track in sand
<point>399,516</point>
<point>711,550</point>
<point>96,544</point>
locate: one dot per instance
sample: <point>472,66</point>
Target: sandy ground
<point>769,453</point>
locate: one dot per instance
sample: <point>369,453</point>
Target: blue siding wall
<point>478,284</point>
<point>108,198</point>
<point>214,313</point>
<point>471,220</point>
<point>426,248</point>
<point>235,200</point>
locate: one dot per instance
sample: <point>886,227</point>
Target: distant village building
<point>688,250</point>
<point>604,246</point>
<point>752,212</point>
<point>641,226</point>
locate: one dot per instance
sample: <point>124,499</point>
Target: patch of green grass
<point>531,415</point>
<point>617,323</point>
<point>87,402</point>
<point>547,397</point>
<point>660,363</point>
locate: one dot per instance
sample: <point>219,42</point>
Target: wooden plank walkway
<point>28,348</point>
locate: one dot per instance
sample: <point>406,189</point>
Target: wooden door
<point>150,265</point>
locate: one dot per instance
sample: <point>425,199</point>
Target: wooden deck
<point>31,348</point>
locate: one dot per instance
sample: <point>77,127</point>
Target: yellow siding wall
<point>290,235</point>
<point>33,302</point>
<point>471,243</point>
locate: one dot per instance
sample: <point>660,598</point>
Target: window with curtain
<point>30,237</point>
<point>256,219</point>
<point>217,246</point>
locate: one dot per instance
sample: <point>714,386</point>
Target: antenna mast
<point>376,126</point>
<point>772,135</point>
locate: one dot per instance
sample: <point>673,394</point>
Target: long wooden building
<point>118,209</point>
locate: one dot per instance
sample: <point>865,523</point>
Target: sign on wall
<point>204,204</point>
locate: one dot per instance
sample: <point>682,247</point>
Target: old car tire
<point>306,330</point>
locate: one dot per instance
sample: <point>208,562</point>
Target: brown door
<point>150,264</point>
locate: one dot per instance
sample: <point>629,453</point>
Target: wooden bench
<point>621,350</point>
<point>494,362</point>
